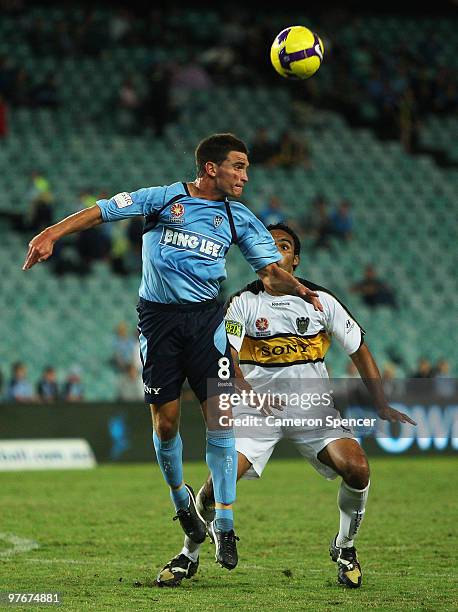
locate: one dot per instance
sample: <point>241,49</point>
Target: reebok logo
<point>191,241</point>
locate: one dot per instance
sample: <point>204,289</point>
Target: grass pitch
<point>102,536</point>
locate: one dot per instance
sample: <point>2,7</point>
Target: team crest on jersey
<point>262,325</point>
<point>302,324</point>
<point>217,220</point>
<point>177,211</point>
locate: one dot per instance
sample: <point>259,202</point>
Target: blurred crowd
<point>393,91</point>
<point>391,88</point>
<point>19,388</point>
<point>326,227</point>
<point>124,362</point>
<point>119,244</point>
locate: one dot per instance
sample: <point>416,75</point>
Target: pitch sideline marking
<point>20,545</point>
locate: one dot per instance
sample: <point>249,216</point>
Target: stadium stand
<point>404,206</point>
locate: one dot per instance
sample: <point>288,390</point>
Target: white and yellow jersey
<point>284,336</point>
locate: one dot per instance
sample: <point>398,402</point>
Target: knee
<point>165,429</point>
<point>356,473</point>
<point>166,420</point>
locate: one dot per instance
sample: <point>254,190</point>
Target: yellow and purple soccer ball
<point>297,53</point>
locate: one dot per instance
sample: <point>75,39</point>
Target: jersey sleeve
<point>138,203</point>
<point>256,242</point>
<point>340,324</point>
<point>235,321</point>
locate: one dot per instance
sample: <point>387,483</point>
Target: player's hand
<point>263,407</point>
<point>40,249</point>
<point>394,416</point>
<point>309,296</point>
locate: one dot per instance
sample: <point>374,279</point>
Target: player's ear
<point>210,168</point>
<point>296,261</point>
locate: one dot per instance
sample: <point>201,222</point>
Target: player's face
<point>285,246</point>
<point>231,174</point>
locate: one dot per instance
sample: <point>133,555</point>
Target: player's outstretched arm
<point>277,280</point>
<point>369,372</point>
<point>41,247</point>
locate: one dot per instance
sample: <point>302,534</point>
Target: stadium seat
<point>402,205</point>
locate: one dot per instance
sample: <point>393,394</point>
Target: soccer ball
<point>297,53</point>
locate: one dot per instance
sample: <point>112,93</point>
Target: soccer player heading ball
<point>188,230</point>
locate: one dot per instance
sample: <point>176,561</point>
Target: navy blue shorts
<point>179,341</point>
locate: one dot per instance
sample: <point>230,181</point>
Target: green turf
<point>104,534</point>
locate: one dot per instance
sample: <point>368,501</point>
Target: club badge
<point>262,324</point>
<point>302,324</point>
<point>177,212</point>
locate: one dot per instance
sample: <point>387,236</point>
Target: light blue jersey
<point>186,239</point>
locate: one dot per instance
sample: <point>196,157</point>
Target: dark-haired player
<point>188,230</point>
<point>277,336</point>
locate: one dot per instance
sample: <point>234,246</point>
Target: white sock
<point>190,549</point>
<point>352,504</point>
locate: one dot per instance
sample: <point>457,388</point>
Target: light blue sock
<point>221,458</point>
<point>224,519</point>
<point>180,497</point>
<point>170,458</point>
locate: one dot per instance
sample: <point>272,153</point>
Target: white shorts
<point>259,449</point>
